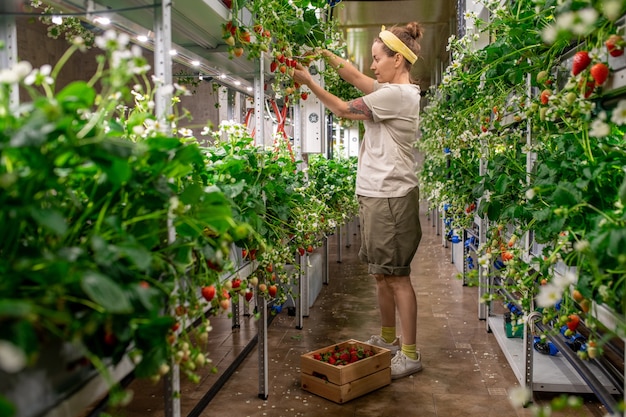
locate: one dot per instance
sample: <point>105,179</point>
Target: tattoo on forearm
<point>358,107</point>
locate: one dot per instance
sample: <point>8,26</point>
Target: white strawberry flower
<point>12,358</point>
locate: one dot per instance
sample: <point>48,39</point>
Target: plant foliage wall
<point>529,133</point>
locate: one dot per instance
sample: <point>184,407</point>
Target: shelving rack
<point>565,372</point>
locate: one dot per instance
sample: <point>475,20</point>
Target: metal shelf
<point>550,373</point>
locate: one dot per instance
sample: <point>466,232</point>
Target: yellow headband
<point>396,45</point>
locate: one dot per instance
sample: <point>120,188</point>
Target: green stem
<point>86,303</point>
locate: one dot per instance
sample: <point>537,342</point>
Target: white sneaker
<point>380,342</point>
<point>402,366</point>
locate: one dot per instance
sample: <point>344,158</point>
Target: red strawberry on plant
<point>545,96</point>
<point>599,72</point>
<point>249,294</point>
<point>573,321</point>
<point>208,292</point>
<point>301,251</point>
<point>304,96</point>
<point>615,45</point>
<point>236,282</point>
<point>309,248</point>
<point>272,290</point>
<point>273,66</point>
<point>581,61</point>
<point>244,37</point>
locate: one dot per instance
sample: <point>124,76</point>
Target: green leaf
<point>622,192</point>
<point>77,95</point>
<point>617,241</point>
<point>563,196</point>
<point>138,255</point>
<point>15,308</point>
<point>493,210</point>
<point>7,409</point>
<point>191,194</point>
<point>502,183</point>
<point>52,220</point>
<point>119,172</point>
<point>105,292</point>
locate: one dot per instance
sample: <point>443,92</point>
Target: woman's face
<point>383,65</point>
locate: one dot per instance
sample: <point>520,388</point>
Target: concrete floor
<point>465,372</point>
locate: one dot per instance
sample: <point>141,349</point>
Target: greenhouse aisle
<point>465,372</point>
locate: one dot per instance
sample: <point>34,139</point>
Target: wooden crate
<point>346,382</point>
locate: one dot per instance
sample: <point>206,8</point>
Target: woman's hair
<point>410,35</point>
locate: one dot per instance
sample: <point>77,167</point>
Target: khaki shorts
<point>390,233</point>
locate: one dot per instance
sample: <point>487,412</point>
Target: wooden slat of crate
<point>346,392</point>
<point>341,375</point>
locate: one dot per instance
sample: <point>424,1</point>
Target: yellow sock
<point>410,351</point>
<point>388,334</point>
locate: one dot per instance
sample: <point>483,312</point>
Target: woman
<point>386,183</point>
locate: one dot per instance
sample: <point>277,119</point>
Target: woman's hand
<point>302,76</point>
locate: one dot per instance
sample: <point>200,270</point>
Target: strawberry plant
<point>544,162</point>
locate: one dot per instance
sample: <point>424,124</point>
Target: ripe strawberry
<point>249,294</point>
<point>615,45</point>
<point>230,27</point>
<point>572,322</point>
<point>272,290</point>
<point>236,282</point>
<point>273,66</point>
<point>581,61</point>
<point>545,96</point>
<point>301,251</point>
<point>283,68</point>
<point>599,72</point>
<point>244,37</point>
<point>267,33</point>
<point>269,268</point>
<point>304,96</point>
<point>208,292</point>
<point>309,248</point>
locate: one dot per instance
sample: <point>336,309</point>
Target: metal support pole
<point>339,232</point>
<point>261,303</point>
<point>259,102</point>
<point>326,271</point>
<point>484,281</point>
<point>235,311</point>
<point>163,107</point>
<point>8,54</point>
<point>304,286</point>
<point>300,300</point>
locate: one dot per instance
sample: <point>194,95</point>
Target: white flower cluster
<point>552,292</point>
<point>577,23</point>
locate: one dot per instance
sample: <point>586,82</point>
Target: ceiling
<point>361,22</point>
<point>196,28</point>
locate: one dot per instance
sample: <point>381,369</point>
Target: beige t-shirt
<point>387,166</point>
